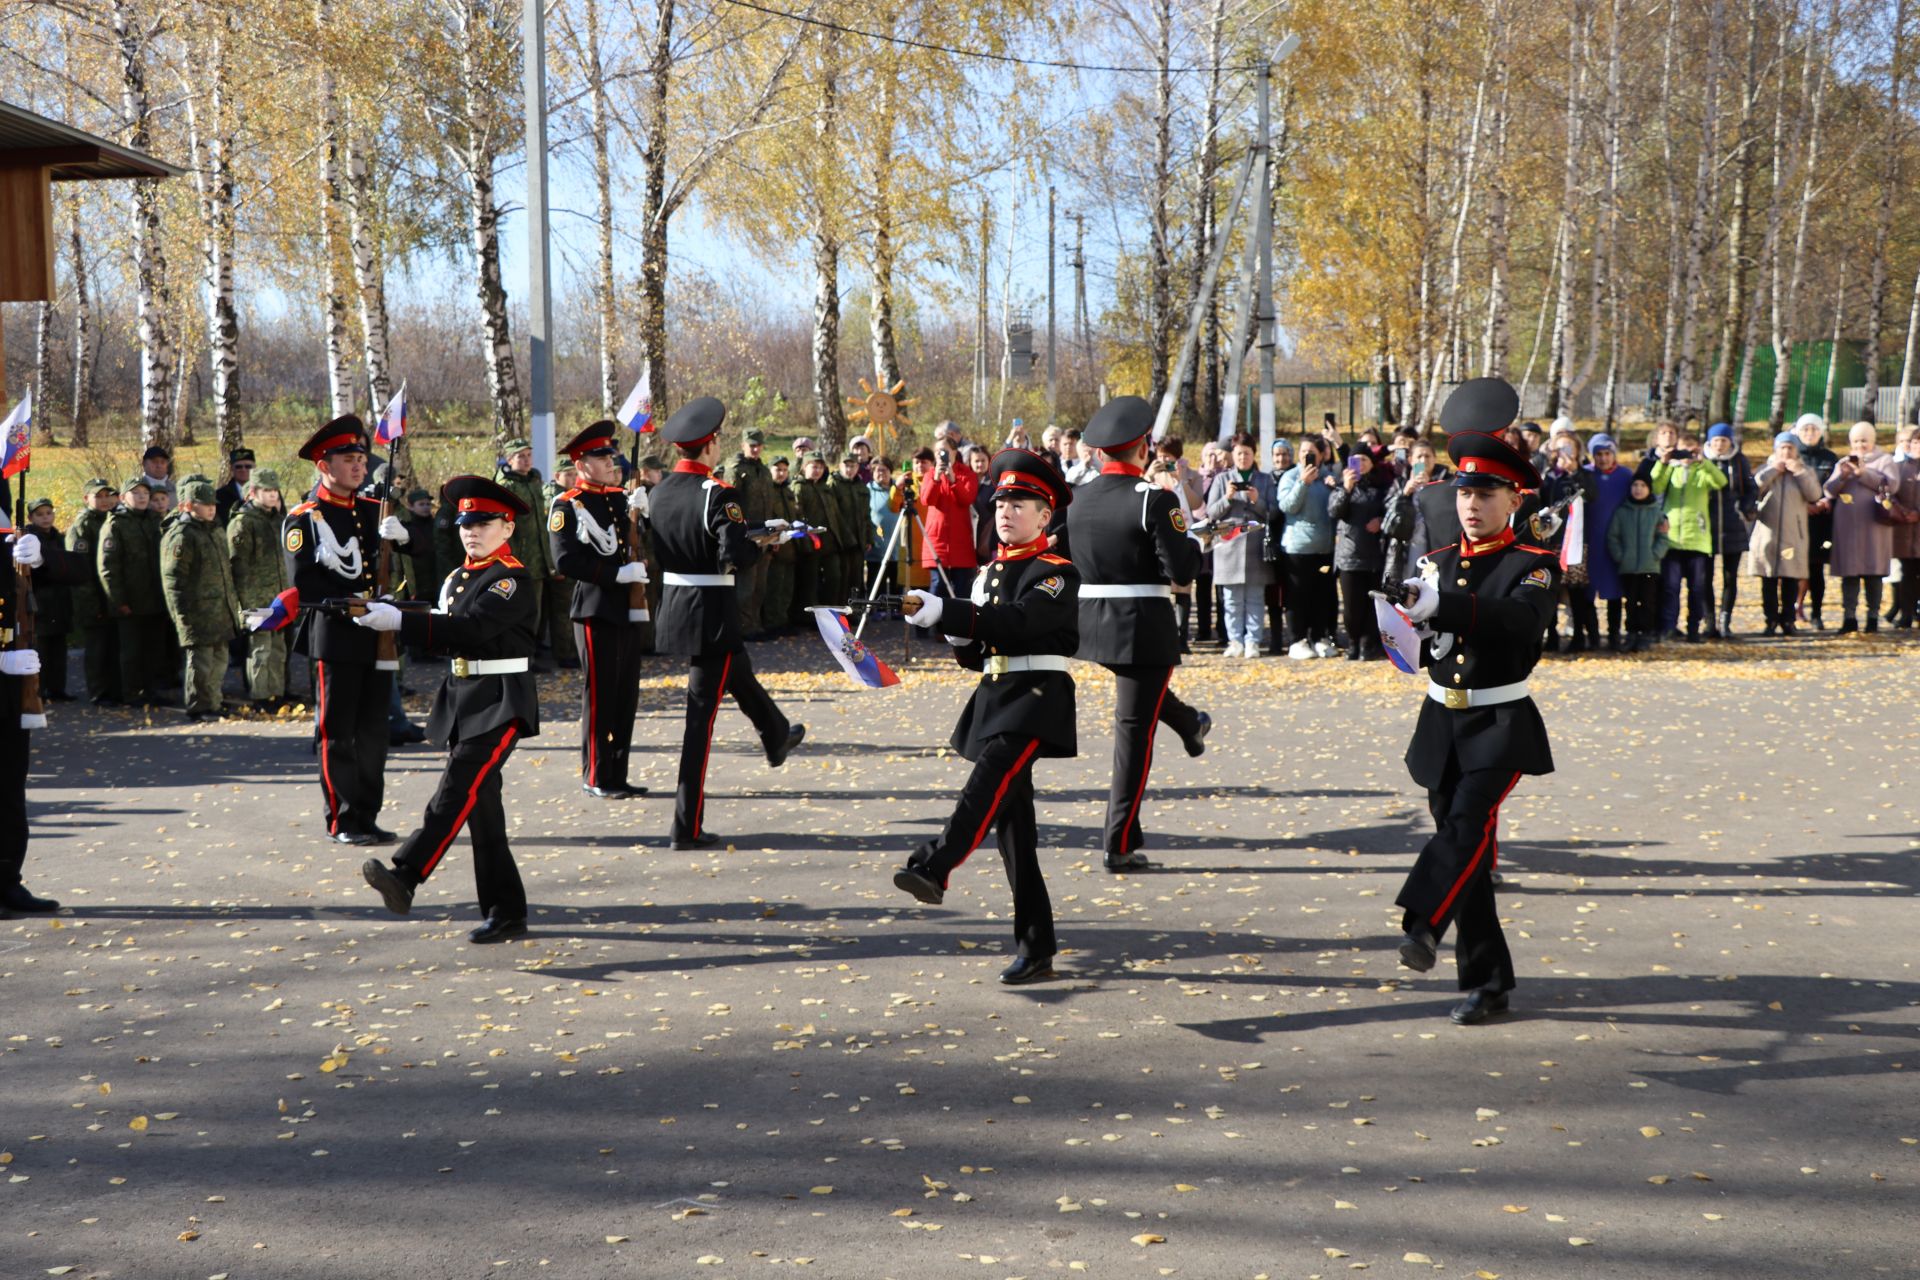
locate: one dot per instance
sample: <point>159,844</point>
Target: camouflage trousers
<point>267,665</point>
<point>205,671</point>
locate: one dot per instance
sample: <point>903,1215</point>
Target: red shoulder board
<point>570,495</point>
<point>303,508</point>
<point>365,498</point>
<point>1050,558</point>
<point>507,561</point>
<point>1539,551</point>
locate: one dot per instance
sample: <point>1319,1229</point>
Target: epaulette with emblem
<point>1050,558</point>
<point>303,508</point>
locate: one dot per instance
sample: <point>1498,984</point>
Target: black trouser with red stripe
<point>15,748</point>
<point>1452,882</point>
<point>1142,701</point>
<point>350,733</point>
<point>710,679</point>
<point>609,698</point>
<point>998,797</point>
<point>469,796</point>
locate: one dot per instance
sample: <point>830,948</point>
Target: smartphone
<point>1353,463</point>
<point>1419,470</point>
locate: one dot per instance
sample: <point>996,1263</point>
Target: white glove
<point>773,525</point>
<point>379,616</point>
<point>20,662</point>
<point>393,531</point>
<point>931,607</point>
<point>26,551</point>
<point>639,502</point>
<point>635,572</point>
<point>1427,605</point>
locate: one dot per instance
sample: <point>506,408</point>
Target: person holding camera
<point>1684,482</point>
<point>1862,537</point>
<point>1779,543</point>
<point>1307,539</point>
<point>1358,508</point>
<point>1239,502</point>
<point>947,489</point>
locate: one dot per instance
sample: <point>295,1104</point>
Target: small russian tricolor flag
<point>393,421</point>
<point>276,616</point>
<point>1397,637</point>
<point>858,661</point>
<point>636,414</point>
<point>15,434</point>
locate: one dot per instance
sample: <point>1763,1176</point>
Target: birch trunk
<point>1833,352</point>
<point>210,144</point>
<point>42,367</point>
<point>1421,365</point>
<point>1560,355</point>
<point>1904,414</point>
<point>1787,313</point>
<point>151,294</point>
<point>365,239</point>
<point>829,410</point>
<point>886,354</point>
<point>1160,298</point>
<point>1883,221</point>
<point>478,156</point>
<point>605,303</point>
<point>1733,322</point>
<point>1699,224</point>
<point>655,214</point>
<point>333,298</point>
<point>1610,232</point>
<point>82,333</point>
<point>1494,357</point>
<point>1006,313</point>
<point>1450,343</point>
<point>182,402</point>
<point>1207,371</point>
<point>1668,374</point>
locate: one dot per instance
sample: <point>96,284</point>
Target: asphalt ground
<point>226,1059</point>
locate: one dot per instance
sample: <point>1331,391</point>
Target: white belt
<point>466,668</point>
<point>1461,699</point>
<point>639,615</point>
<point>697,579</point>
<point>1125,591</point>
<point>1002,665</point>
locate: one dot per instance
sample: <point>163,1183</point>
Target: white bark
<point>339,373</point>
<point>1786,312</point>
<point>829,410</point>
<point>605,303</point>
<point>210,140</point>
<point>1833,352</point>
<point>1733,320</point>
<point>1561,355</point>
<point>82,332</point>
<point>42,362</point>
<point>364,236</point>
<point>1160,292</point>
<point>151,295</point>
<point>478,152</point>
<point>1610,223</point>
<point>1883,221</point>
<point>1699,226</point>
<point>1494,353</point>
<point>1450,341</point>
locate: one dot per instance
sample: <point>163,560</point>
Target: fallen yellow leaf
<point>1146,1238</point>
<point>138,1124</point>
<point>1513,1208</point>
<point>823,1191</point>
<point>1648,1131</point>
<point>617,1239</point>
<point>1416,1257</point>
<point>1578,1241</point>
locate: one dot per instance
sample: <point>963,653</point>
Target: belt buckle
<point>463,670</point>
<point>996,666</point>
<point>1458,699</point>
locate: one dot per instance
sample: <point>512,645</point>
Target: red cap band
<point>485,504</point>
<point>1017,480</point>
<point>1490,467</point>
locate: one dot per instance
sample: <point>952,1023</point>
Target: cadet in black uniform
<point>1482,605</point>
<point>486,705</point>
<point>588,532</point>
<point>700,537</point>
<point>1018,630</point>
<point>1130,544</point>
<point>335,542</point>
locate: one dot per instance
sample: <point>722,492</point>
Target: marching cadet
<point>93,618</point>
<point>1018,631</point>
<point>486,705</point>
<point>234,491</point>
<point>52,609</point>
<point>260,574</point>
<point>589,540</point>
<point>335,543</point>
<point>1482,606</point>
<point>776,608</point>
<point>1130,545</point>
<point>700,535</point>
<point>196,575</point>
<point>128,559</point>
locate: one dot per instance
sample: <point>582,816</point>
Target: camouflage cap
<point>141,481</point>
<point>807,458</point>
<point>515,445</point>
<point>265,478</point>
<point>652,462</point>
<point>201,492</point>
<point>753,435</point>
<point>38,503</point>
<point>97,485</point>
<point>187,482</point>
<point>418,495</point>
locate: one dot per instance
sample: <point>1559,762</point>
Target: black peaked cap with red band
<point>596,438</point>
<point>695,422</point>
<point>1483,461</point>
<point>1121,421</point>
<point>1480,404</point>
<point>1026,473</point>
<point>345,434</point>
<point>479,500</point>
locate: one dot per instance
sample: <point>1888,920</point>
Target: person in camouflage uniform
<point>849,494</point>
<point>260,574</point>
<point>819,581</point>
<point>196,576</point>
<point>776,606</point>
<point>559,589</point>
<point>128,559</point>
<point>753,489</point>
<point>529,543</point>
<point>52,608</point>
<point>91,617</point>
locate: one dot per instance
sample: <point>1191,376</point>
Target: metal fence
<point>1886,407</point>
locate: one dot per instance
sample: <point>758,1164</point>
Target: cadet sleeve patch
<point>295,540</point>
<point>735,514</point>
<point>1179,519</point>
<point>503,588</point>
<point>1052,586</point>
<point>1538,578</point>
<point>558,520</point>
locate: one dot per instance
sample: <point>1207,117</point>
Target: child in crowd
<point>1637,541</point>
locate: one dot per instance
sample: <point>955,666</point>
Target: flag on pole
<point>1573,543</point>
<point>1397,637</point>
<point>393,419</point>
<point>15,434</point>
<point>858,661</point>
<point>636,414</point>
<point>278,615</point>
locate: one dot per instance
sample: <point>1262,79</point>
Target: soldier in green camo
<point>820,581</point>
<point>196,574</point>
<point>855,530</point>
<point>92,620</point>
<point>776,606</point>
<point>558,590</point>
<point>529,544</point>
<point>128,559</point>
<point>260,574</point>
<point>753,489</point>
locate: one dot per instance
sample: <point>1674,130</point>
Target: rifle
<point>356,607</point>
<point>33,712</point>
<point>386,649</point>
<point>863,604</point>
<point>639,603</point>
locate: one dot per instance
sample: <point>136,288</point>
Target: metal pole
<point>539,292</point>
<point>1263,231</point>
<point>1050,316</point>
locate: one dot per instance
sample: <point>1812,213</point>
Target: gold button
<point>1456,677</point>
<point>1464,562</point>
<point>1460,659</point>
<point>458,590</point>
<point>1459,582</point>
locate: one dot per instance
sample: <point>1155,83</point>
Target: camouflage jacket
<point>259,566</point>
<point>196,573</point>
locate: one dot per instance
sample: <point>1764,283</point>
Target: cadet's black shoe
<point>705,840</point>
<point>395,892</point>
<point>921,885</point>
<point>1479,1005</point>
<point>1198,742</point>
<point>1848,627</point>
<point>1025,969</point>
<point>382,836</point>
<point>354,837</point>
<point>19,898</point>
<point>619,791</point>
<point>1134,861</point>
<point>1417,949</point>
<point>777,754</point>
<point>498,929</point>
<point>1495,879</point>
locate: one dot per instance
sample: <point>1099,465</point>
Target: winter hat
<point>1720,431</point>
<point>1787,437</point>
<point>1601,440</point>
<point>1810,420</point>
<point>1562,426</point>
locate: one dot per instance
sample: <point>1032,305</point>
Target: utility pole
<point>1263,232</point>
<point>1082,327</point>
<point>1050,314</point>
<point>539,294</point>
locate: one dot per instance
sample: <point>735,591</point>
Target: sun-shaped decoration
<point>883,407</point>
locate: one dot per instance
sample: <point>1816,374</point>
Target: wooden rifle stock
<point>387,643</point>
<point>637,599</point>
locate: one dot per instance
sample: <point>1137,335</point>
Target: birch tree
<point>1786,315</point>
<point>1883,218</point>
<point>133,32</point>
<point>1733,318</point>
<point>211,132</point>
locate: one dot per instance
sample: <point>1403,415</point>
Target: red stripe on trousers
<point>320,723</point>
<point>1146,766</point>
<point>473,795</point>
<point>999,794</point>
<point>700,798</point>
<point>1486,838</point>
<point>593,701</point>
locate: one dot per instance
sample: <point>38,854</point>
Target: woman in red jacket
<point>947,488</point>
